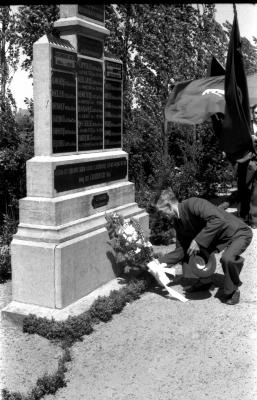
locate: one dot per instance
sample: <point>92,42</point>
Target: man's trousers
<point>231,261</point>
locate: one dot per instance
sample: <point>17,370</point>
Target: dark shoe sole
<point>199,288</point>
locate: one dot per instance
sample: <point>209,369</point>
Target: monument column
<point>61,251</point>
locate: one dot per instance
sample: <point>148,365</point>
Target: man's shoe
<point>234,298</point>
<point>199,287</point>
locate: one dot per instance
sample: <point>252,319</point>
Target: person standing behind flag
<point>235,138</point>
<point>254,124</point>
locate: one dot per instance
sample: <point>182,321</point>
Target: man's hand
<point>193,248</point>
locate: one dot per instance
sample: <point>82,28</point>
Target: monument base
<point>57,273</point>
<point>17,311</point>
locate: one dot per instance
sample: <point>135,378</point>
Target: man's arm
<point>211,215</point>
<point>173,257</point>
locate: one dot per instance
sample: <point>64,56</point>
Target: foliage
<point>120,21</point>
<point>9,52</point>
<point>201,168</point>
<point>145,151</point>
<point>70,330</point>
<point>5,263</point>
<point>162,232</point>
<point>101,309</point>
<point>157,66</point>
<point>34,21</point>
<point>8,228</point>
<point>8,146</point>
<point>16,147</point>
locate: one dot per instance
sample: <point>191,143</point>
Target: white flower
<point>129,233</point>
<point>137,250</point>
<point>128,229</point>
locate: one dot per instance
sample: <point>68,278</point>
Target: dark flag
<point>193,102</point>
<point>215,68</point>
<point>235,138</point>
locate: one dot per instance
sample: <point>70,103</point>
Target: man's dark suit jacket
<point>211,227</point>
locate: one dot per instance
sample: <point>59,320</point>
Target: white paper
<point>157,270</point>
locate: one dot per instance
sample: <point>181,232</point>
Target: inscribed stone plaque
<point>63,101</point>
<point>90,47</point>
<point>90,105</point>
<point>92,11</point>
<point>113,70</point>
<point>100,200</point>
<point>75,176</point>
<point>64,60</point>
<point>112,105</point>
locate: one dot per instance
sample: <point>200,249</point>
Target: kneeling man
<point>201,225</point>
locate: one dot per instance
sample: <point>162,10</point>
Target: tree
<point>172,43</point>
<point>33,22</point>
<point>248,49</point>
<point>16,142</point>
<point>9,54</point>
<point>165,39</point>
<point>120,21</point>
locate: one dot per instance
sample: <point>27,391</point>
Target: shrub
<point>7,231</point>
<point>6,395</point>
<point>162,231</point>
<point>101,309</point>
<point>70,330</point>
<point>5,263</point>
<point>117,301</point>
<point>134,290</point>
<point>77,326</point>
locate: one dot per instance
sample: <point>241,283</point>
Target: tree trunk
<point>4,15</point>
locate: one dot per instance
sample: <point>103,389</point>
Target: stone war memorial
<point>61,251</point>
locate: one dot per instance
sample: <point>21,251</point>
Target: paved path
<point>156,349</point>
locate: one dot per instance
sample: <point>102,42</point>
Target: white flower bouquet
<point>136,252</point>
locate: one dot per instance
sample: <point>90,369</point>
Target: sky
<point>21,85</point>
<point>246,14</point>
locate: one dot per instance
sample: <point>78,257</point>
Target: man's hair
<point>166,196</point>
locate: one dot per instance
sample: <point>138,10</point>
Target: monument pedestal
<point>57,269</point>
<point>61,251</point>
<point>55,266</point>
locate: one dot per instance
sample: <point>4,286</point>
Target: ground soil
<point>157,348</point>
